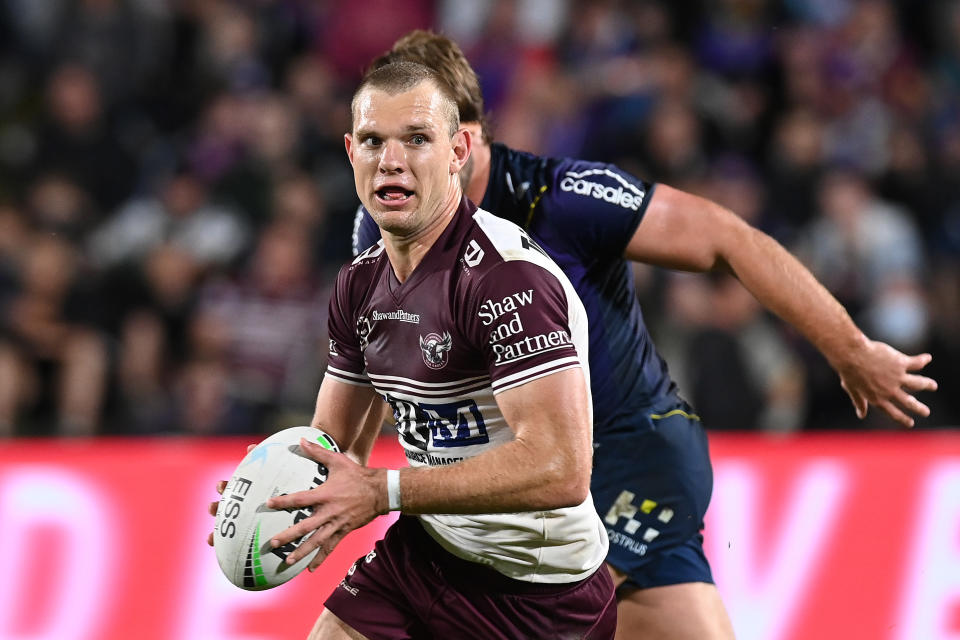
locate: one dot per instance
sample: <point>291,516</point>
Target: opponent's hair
<point>404,75</point>
<point>445,57</point>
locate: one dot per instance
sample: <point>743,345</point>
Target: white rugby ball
<point>244,524</point>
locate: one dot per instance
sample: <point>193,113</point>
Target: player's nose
<point>393,157</point>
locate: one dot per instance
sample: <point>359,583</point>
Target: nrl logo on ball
<point>435,349</point>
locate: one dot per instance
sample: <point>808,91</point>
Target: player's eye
<point>371,141</point>
<point>418,139</point>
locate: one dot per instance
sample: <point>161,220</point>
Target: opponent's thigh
<point>330,627</point>
<point>690,611</point>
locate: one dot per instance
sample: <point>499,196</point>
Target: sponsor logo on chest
<point>399,314</point>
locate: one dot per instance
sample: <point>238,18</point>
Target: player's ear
<point>348,143</point>
<point>461,145</point>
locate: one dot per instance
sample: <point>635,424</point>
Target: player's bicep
<point>682,231</point>
<point>552,414</point>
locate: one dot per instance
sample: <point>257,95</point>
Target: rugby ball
<point>244,524</point>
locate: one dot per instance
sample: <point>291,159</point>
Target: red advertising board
<point>833,536</point>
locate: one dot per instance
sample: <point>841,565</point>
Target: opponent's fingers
<point>914,382</point>
<point>917,362</point>
<point>913,405</point>
<point>221,486</point>
<point>894,412</point>
<point>295,500</point>
<point>210,538</point>
<point>212,508</point>
<point>860,403</point>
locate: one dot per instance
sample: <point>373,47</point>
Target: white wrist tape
<point>393,489</point>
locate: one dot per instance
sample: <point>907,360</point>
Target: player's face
<point>405,162</point>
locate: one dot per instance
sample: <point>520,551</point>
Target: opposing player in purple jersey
<point>652,477</point>
<point>473,335</point>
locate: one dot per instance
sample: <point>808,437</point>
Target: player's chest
<point>415,337</point>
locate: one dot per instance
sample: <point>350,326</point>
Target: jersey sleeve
<point>345,355</point>
<point>519,316</point>
<point>366,233</point>
<point>597,207</point>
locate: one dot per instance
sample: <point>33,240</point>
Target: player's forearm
<point>362,445</point>
<point>513,477</point>
<point>351,416</point>
<point>787,288</point>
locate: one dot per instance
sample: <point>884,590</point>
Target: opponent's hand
<point>879,375</point>
<point>212,507</point>
<point>351,497</point>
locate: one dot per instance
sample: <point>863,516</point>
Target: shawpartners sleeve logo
<point>435,349</point>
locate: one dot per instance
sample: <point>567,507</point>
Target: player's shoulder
<point>507,241</point>
<point>361,271</point>
<point>366,259</point>
<point>584,182</point>
<point>497,252</point>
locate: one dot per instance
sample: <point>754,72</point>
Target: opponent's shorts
<point>410,587</point>
<point>651,487</point>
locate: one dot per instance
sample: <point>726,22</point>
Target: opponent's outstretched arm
<point>683,231</point>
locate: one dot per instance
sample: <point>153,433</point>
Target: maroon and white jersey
<point>485,311</point>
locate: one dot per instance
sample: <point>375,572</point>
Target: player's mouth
<point>393,196</point>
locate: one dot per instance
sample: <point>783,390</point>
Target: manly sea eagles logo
<point>435,349</point>
<point>364,327</point>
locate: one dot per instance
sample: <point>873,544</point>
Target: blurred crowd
<point>175,199</point>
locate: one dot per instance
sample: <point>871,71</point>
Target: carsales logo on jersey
<point>615,195</point>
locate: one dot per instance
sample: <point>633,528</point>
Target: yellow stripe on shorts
<point>675,412</point>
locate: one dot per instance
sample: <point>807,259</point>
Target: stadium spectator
<point>870,254</point>
<point>267,328</point>
<point>53,358</point>
<point>180,214</point>
<point>741,373</point>
<point>77,138</point>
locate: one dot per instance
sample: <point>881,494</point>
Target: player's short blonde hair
<point>402,76</point>
<point>445,57</point>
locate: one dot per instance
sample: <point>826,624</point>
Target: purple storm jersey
<point>583,214</point>
<point>485,311</point>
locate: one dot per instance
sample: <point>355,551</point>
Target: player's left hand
<point>213,506</point>
<point>879,375</point>
<point>351,497</point>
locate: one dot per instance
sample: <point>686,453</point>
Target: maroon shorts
<point>409,587</point>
